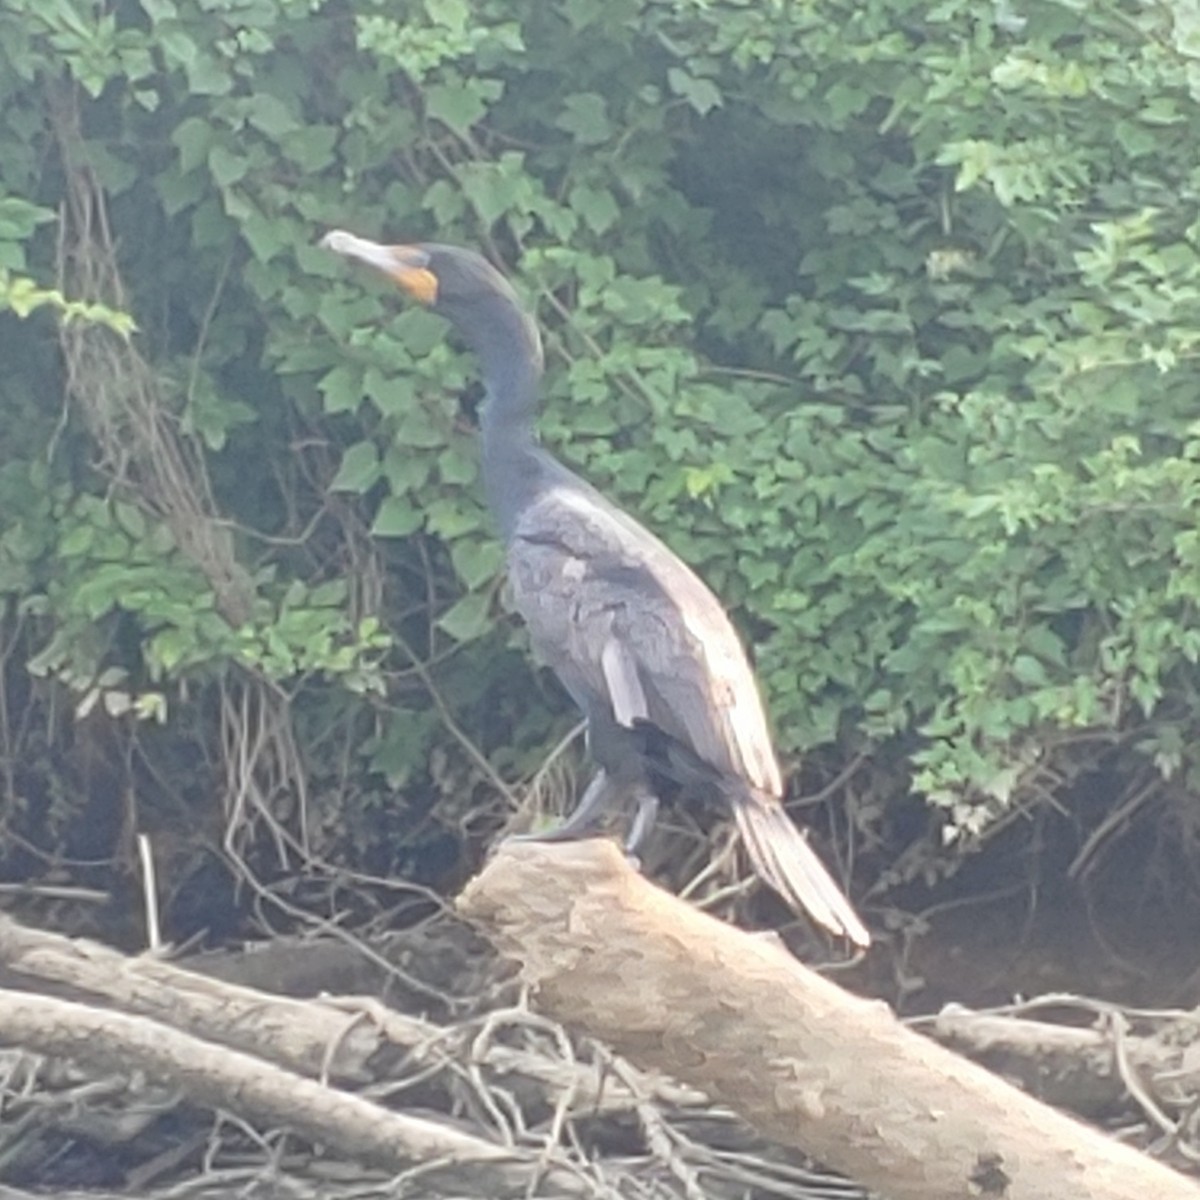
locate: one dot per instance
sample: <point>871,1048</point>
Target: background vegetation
<point>886,314</point>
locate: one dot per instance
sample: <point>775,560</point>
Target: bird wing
<point>625,624</point>
<point>618,616</point>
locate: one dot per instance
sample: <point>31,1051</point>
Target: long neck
<point>510,357</point>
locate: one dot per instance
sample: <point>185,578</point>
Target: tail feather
<point>783,859</point>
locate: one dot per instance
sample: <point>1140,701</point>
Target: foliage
<point>884,314</point>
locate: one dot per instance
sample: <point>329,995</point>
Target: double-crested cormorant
<point>644,648</point>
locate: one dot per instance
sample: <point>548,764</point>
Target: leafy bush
<point>885,315</point>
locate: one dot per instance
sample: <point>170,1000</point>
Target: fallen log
<point>673,989</point>
<point>257,1091</point>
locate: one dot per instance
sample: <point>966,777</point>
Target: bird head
<point>458,284</point>
<point>406,265</point>
<point>443,278</point>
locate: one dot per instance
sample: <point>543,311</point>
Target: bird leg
<point>596,797</point>
<point>643,821</point>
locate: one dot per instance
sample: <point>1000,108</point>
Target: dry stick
<point>264,1094</point>
<point>295,1032</point>
<point>806,1063</point>
<point>1068,1066</point>
<point>343,1038</point>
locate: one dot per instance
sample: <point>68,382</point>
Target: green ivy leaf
<point>477,561</point>
<point>456,105</point>
<point>360,469</point>
<point>451,14</point>
<point>270,115</point>
<point>397,517</point>
<point>310,147</point>
<point>596,206</point>
<point>193,137</point>
<point>227,166</point>
<point>19,218</point>
<point>468,618</point>
<point>702,94</point>
<point>342,388</point>
<point>458,465</point>
<point>585,118</point>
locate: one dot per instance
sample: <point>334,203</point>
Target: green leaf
<point>403,745</point>
<point>1029,670</point>
<point>496,188</point>
<point>19,218</point>
<point>266,237</point>
<point>178,47</point>
<point>445,202</point>
<point>360,469</point>
<point>311,147</point>
<point>845,100</point>
<point>227,167</point>
<point>477,562</point>
<point>208,76</point>
<point>268,114</point>
<point>451,517</point>
<point>460,105</point>
<point>702,94</point>
<point>468,618</point>
<point>342,388</point>
<point>596,206</point>
<point>585,118</point>
<point>458,465</point>
<point>452,14</point>
<point>419,428</point>
<point>405,471</point>
<point>193,137</point>
<point>168,648</point>
<point>397,517</point>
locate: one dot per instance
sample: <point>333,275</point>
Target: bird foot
<point>556,833</point>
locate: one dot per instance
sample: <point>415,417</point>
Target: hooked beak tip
<point>405,265</point>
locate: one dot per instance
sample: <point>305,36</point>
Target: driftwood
<point>731,1018</point>
<point>673,989</point>
<point>1094,1070</point>
<point>211,1040</point>
<point>343,1038</point>
<point>269,1058</point>
<point>332,1040</point>
<point>219,1077</point>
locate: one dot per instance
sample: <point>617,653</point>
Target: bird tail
<point>783,859</point>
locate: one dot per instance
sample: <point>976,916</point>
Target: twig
<point>263,1094</point>
<point>149,894</point>
<point>1117,1028</point>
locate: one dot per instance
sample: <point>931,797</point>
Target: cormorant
<point>641,644</point>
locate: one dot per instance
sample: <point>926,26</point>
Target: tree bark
<point>808,1064</point>
<point>1073,1067</point>
<point>258,1091</point>
<point>308,1036</point>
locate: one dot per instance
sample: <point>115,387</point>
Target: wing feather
<point>624,687</point>
<point>783,859</point>
<point>584,575</point>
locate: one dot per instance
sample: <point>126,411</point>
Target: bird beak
<point>406,265</point>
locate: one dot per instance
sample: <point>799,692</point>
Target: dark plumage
<point>644,648</point>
